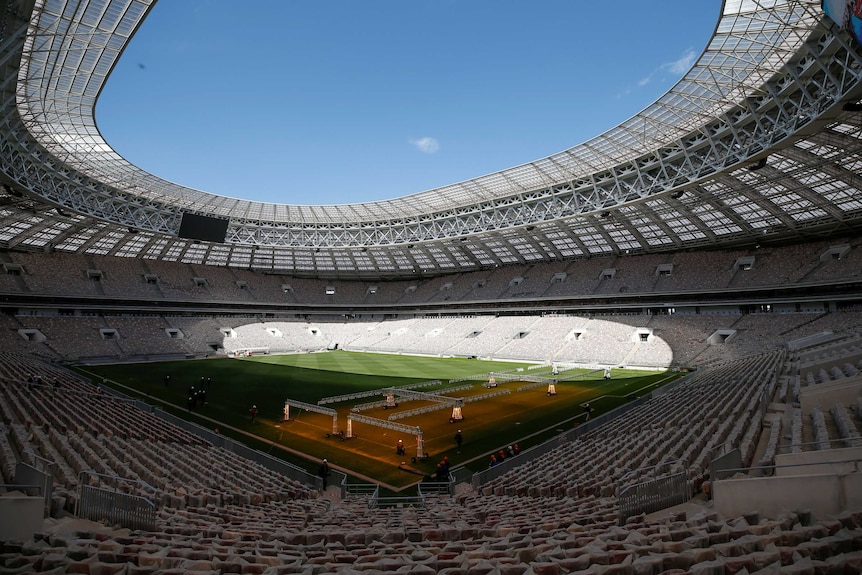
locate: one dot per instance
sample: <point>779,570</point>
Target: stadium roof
<point>760,141</point>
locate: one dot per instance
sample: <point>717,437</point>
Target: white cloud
<point>426,145</point>
<point>678,67</point>
<point>682,64</point>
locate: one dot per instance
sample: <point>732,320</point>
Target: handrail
<point>397,501</point>
<point>118,478</point>
<point>621,480</point>
<point>22,486</point>
<point>46,462</point>
<point>772,468</point>
<point>434,487</point>
<point>783,448</point>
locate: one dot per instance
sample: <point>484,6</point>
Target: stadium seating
<point>112,276</point>
<point>679,339</point>
<point>124,277</point>
<point>80,427</point>
<point>56,273</point>
<point>632,275</point>
<point>699,235</point>
<point>556,514</point>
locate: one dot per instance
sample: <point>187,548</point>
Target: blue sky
<point>340,101</point>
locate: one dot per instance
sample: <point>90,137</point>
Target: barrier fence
<point>653,495</point>
<point>460,475</point>
<point>28,477</point>
<point>99,503</point>
<point>132,511</point>
<point>722,466</point>
<point>429,487</point>
<point>361,489</point>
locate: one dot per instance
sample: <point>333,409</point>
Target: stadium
<point>714,237</point>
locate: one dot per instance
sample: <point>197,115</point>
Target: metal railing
<point>397,501</point>
<point>29,489</point>
<point>634,476</point>
<point>834,442</point>
<point>104,502</point>
<point>722,466</point>
<point>335,477</point>
<point>41,473</point>
<point>360,489</point>
<point>653,495</point>
<point>375,500</point>
<point>770,470</point>
<point>28,478</point>
<point>435,487</point>
<point>460,475</point>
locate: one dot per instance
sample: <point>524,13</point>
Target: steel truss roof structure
<point>760,141</point>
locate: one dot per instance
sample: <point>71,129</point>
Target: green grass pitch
<point>525,417</point>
